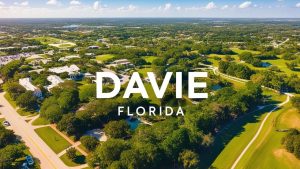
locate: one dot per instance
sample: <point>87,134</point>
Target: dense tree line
<point>292,142</point>
<point>234,69</point>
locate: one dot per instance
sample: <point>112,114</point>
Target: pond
<point>133,122</point>
<point>216,87</point>
<point>266,64</point>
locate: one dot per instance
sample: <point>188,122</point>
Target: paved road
<point>38,148</point>
<point>259,131</point>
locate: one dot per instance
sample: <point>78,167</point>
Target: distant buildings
<point>55,80</point>
<point>119,62</point>
<point>6,59</point>
<point>93,47</point>
<point>73,71</point>
<point>67,58</point>
<point>26,83</point>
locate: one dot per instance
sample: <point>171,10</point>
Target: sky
<point>149,8</point>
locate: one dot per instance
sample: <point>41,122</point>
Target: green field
<point>239,51</point>
<point>268,144</point>
<point>9,99</point>
<point>79,160</point>
<point>235,138</point>
<point>23,112</point>
<point>103,58</point>
<point>2,120</point>
<point>144,71</point>
<point>56,142</point>
<point>49,40</point>
<point>40,121</point>
<point>150,58</point>
<point>151,94</point>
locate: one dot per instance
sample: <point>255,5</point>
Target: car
<point>6,123</point>
<point>29,160</point>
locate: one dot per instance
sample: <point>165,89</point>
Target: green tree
<point>117,129</point>
<point>27,100</point>
<point>87,92</point>
<point>10,154</point>
<point>89,142</point>
<point>6,137</point>
<point>108,152</point>
<point>14,89</point>
<point>71,153</point>
<point>189,159</point>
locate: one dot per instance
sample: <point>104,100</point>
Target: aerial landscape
<point>246,115</point>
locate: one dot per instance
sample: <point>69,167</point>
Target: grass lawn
<point>40,121</point>
<point>2,120</point>
<point>10,100</point>
<point>151,94</point>
<point>105,57</point>
<point>289,119</point>
<point>49,40</point>
<point>239,51</point>
<point>150,58</point>
<point>83,148</point>
<point>56,142</point>
<point>23,112</point>
<point>78,161</point>
<point>234,139</point>
<point>268,144</point>
<point>144,71</point>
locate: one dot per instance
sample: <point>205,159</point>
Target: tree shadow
<point>80,159</point>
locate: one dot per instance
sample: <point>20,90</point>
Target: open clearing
<point>55,42</point>
<point>236,136</point>
<point>56,142</point>
<point>103,58</point>
<point>150,58</point>
<point>268,144</point>
<point>40,121</point>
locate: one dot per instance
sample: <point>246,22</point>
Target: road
<point>259,131</point>
<point>38,148</point>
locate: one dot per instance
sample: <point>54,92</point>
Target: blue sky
<point>150,8</point>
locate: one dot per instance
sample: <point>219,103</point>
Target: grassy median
<point>56,142</point>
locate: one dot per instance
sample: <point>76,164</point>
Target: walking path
<point>48,159</point>
<point>38,148</point>
<point>259,131</point>
<point>75,145</point>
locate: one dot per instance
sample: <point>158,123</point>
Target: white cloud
<point>24,3</point>
<point>245,4</point>
<point>167,6</point>
<point>178,8</point>
<point>225,7</point>
<point>210,5</point>
<point>1,3</point>
<point>127,9</point>
<point>52,2</point>
<point>97,5</point>
<point>298,5</point>
<point>75,2</point>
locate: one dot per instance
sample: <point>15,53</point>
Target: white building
<point>26,83</point>
<point>119,62</point>
<point>72,70</point>
<point>67,58</point>
<point>68,69</point>
<point>55,80</point>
